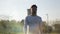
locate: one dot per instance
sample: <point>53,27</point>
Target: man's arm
<point>25,26</point>
<point>40,26</point>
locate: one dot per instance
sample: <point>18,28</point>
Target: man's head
<point>33,9</point>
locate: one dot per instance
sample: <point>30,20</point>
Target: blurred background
<point>13,13</point>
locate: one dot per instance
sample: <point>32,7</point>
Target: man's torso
<point>33,22</point>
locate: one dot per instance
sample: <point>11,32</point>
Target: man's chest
<point>33,20</point>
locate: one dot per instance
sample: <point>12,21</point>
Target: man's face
<point>33,10</point>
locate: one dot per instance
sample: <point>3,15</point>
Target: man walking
<point>33,21</point>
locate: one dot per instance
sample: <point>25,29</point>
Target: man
<point>33,21</point>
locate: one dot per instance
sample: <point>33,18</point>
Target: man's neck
<point>33,15</point>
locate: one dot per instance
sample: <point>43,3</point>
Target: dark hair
<point>33,6</point>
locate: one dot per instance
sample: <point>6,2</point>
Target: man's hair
<point>33,6</point>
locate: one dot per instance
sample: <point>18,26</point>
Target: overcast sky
<point>17,9</point>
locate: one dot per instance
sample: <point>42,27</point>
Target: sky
<point>17,9</point>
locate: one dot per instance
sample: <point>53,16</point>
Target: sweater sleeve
<point>25,25</point>
<point>40,25</point>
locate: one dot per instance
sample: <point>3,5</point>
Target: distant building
<point>28,11</point>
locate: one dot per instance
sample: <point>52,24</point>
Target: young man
<point>33,21</point>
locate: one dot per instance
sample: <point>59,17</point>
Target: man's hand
<point>41,28</point>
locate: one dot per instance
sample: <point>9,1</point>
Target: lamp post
<point>47,23</point>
